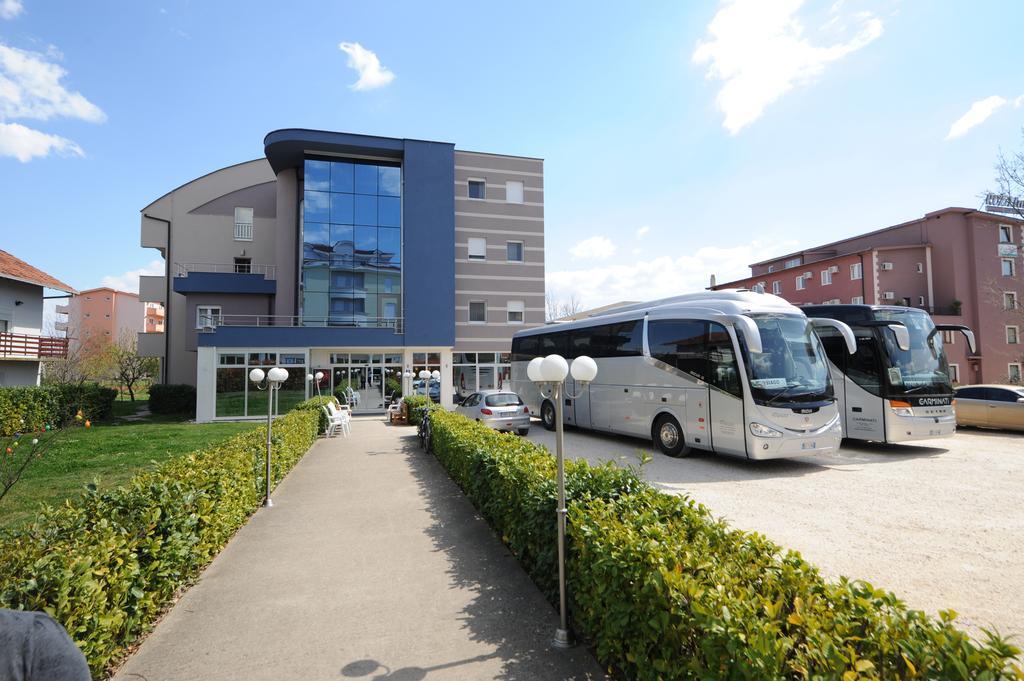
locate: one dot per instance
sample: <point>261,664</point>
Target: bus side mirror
<point>842,328</point>
<point>971,343</point>
<point>750,331</point>
<point>902,335</point>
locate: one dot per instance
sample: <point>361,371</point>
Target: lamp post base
<point>562,639</point>
<point>267,503</point>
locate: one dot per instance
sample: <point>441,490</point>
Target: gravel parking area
<point>939,523</point>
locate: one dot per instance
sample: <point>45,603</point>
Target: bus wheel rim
<point>669,434</point>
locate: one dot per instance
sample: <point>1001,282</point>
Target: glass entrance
<point>360,380</point>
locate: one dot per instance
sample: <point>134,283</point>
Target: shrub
<point>27,408</point>
<point>172,398</point>
<point>315,404</point>
<point>92,399</point>
<point>412,404</point>
<point>106,565</point>
<point>667,591</point>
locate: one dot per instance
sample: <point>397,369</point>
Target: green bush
<point>27,408</point>
<point>315,404</point>
<point>172,398</point>
<point>413,403</point>
<point>106,565</point>
<point>92,399</point>
<point>392,386</point>
<point>666,591</point>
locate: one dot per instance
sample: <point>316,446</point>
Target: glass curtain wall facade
<point>472,371</point>
<point>351,243</point>
<point>238,397</point>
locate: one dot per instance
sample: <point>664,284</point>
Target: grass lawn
<point>111,452</point>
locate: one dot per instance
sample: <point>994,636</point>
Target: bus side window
<point>723,370</point>
<point>680,344</point>
<point>835,346</point>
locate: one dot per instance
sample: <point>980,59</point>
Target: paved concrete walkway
<point>371,564</point>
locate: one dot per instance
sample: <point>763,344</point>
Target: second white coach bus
<point>735,372</point>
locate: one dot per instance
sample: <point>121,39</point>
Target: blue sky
<point>678,140</point>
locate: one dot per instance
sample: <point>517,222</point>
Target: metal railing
<point>32,347</point>
<point>243,231</point>
<point>182,269</point>
<point>339,321</point>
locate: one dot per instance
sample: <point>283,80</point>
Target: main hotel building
<point>357,256</point>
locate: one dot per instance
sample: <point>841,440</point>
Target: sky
<point>679,139</point>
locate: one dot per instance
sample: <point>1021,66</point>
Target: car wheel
<point>547,415</point>
<point>669,437</point>
<point>523,432</point>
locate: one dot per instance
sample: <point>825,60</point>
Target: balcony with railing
<point>285,330</point>
<point>30,347</point>
<point>237,277</point>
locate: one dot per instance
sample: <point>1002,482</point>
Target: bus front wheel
<point>669,438</point>
<point>547,415</point>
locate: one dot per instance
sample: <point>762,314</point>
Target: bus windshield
<point>791,366</point>
<point>921,370</point>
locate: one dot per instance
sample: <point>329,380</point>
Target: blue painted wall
<point>298,337</point>
<point>429,251</point>
<point>224,282</point>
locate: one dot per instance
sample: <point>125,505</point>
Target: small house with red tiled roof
<point>23,346</point>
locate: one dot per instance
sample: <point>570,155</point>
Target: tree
<point>124,363</point>
<point>83,361</point>
<point>559,309</point>
<point>1010,181</point>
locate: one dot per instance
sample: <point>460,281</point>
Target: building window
<point>771,268</point>
<point>207,316</point>
<point>856,271</point>
<point>243,224</point>
<point>1005,234</point>
<point>1013,372</point>
<point>1009,301</point>
<point>954,373</point>
<point>794,262</point>
<point>477,189</point>
<point>857,300</point>
<point>477,248</point>
<point>477,311</point>
<point>777,287</point>
<point>920,268</point>
<point>1008,267</point>
<point>826,277</point>
<point>107,316</point>
<point>514,251</point>
<point>1011,335</point>
<point>800,283</point>
<point>513,192</point>
<point>515,311</point>
<point>243,265</point>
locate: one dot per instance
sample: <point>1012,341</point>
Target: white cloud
<point>30,87</point>
<point>1019,102</point>
<point>759,51</point>
<point>10,8</point>
<point>129,281</point>
<point>976,115</point>
<point>594,248</point>
<point>372,74</point>
<point>662,276</point>
<point>25,144</point>
<point>642,232</point>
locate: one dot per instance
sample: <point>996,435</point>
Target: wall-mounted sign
<point>1007,250</point>
<point>1001,203</point>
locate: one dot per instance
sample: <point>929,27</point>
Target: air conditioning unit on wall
<point>807,275</point>
<point>834,269</point>
<point>886,265</point>
<point>889,295</point>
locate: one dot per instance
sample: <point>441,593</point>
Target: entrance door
<point>487,379</point>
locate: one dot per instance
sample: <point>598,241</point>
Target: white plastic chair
<point>340,418</point>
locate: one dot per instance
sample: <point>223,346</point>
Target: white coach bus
<point>735,372</point>
<point>896,387</point>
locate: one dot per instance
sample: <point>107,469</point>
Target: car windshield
<point>791,366</point>
<point>503,400</point>
<point>921,370</point>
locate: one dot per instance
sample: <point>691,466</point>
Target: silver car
<point>498,409</point>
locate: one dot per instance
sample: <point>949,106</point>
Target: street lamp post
<point>316,378</point>
<point>271,382</point>
<point>552,371</point>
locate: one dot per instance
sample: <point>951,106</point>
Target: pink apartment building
<point>101,315</point>
<point>961,265</point>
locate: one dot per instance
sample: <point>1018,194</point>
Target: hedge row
<point>315,404</point>
<point>413,403</point>
<point>172,398</point>
<point>666,591</point>
<point>32,408</point>
<point>106,565</point>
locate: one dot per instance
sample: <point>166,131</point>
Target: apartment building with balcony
<point>23,346</point>
<point>356,256</point>
<point>961,265</point>
<point>101,315</point>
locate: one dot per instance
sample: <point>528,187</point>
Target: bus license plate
<point>808,445</point>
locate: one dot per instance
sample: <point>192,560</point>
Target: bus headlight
<point>901,408</point>
<point>761,430</point>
